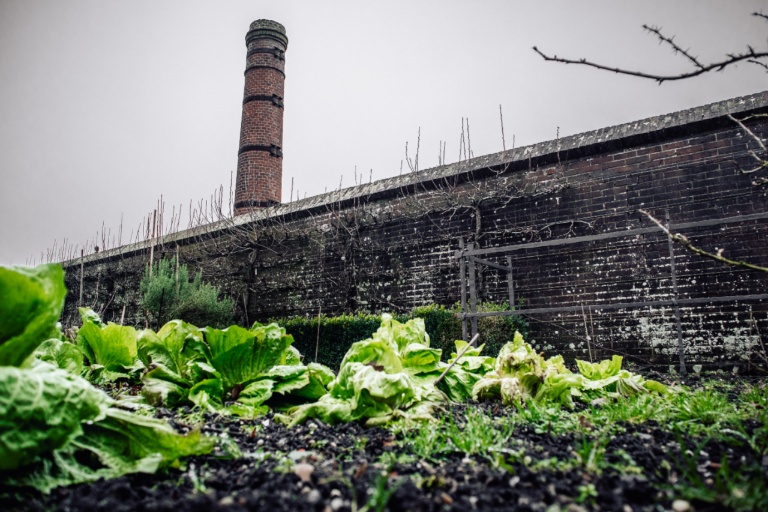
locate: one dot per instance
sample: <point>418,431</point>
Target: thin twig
<point>471,343</point>
<point>501,120</point>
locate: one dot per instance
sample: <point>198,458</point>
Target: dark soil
<point>316,467</point>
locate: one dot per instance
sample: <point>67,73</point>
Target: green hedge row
<point>338,333</point>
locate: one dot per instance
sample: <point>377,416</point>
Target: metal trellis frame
<point>469,257</point>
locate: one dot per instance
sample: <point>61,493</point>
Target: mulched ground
<point>316,467</point>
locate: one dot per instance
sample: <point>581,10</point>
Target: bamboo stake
<point>317,341</point>
<point>586,333</point>
<point>82,264</point>
<point>471,343</point>
<point>152,244</point>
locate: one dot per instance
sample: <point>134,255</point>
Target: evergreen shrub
<point>164,297</point>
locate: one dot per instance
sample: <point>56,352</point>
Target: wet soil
<point>316,467</point>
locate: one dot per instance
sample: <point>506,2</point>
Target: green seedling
<point>478,434</point>
<point>591,453</point>
<point>587,493</point>
<point>379,495</point>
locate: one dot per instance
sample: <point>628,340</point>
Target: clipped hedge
<point>338,333</point>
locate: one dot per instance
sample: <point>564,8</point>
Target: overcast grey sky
<point>105,104</point>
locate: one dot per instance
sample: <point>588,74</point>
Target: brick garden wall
<point>390,245</point>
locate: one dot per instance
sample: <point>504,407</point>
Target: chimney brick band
<point>274,99</point>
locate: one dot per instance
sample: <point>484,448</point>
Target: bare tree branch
<point>716,66</point>
<point>762,64</point>
<point>675,48</point>
<point>750,55</point>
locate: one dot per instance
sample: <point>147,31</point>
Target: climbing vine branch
<point>685,242</point>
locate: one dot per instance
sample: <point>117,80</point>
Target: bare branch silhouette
<point>750,55</point>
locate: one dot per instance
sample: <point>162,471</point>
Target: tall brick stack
<point>260,157</point>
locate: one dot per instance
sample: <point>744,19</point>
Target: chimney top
<point>267,29</point>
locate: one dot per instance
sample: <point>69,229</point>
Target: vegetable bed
<point>190,418</point>
<point>643,454</point>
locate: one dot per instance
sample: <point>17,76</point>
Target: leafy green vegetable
<point>458,382</point>
<point>172,346</point>
<point>173,357</point>
<point>31,300</point>
<point>211,368</point>
<point>55,428</point>
<point>111,349</point>
<point>521,374</point>
<point>50,420</point>
<point>608,376</point>
<point>517,375</point>
<point>48,417</point>
<point>242,355</point>
<point>61,354</point>
<point>385,377</point>
<point>600,370</point>
<point>42,409</point>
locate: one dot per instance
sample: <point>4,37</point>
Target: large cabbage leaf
<point>600,370</point>
<point>461,373</point>
<point>241,355</point>
<point>31,300</point>
<point>608,376</point>
<point>233,370</point>
<point>42,409</point>
<point>111,349</point>
<point>57,429</point>
<point>173,346</point>
<point>518,374</point>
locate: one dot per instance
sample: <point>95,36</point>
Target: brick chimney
<point>260,157</point>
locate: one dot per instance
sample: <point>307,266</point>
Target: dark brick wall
<point>389,246</point>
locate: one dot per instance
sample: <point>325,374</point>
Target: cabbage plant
<point>234,369</point>
<point>55,427</point>
<point>390,376</point>
<point>111,350</point>
<point>521,374</point>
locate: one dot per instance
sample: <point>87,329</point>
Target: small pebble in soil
<point>681,506</point>
<point>304,471</point>
<point>314,496</point>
